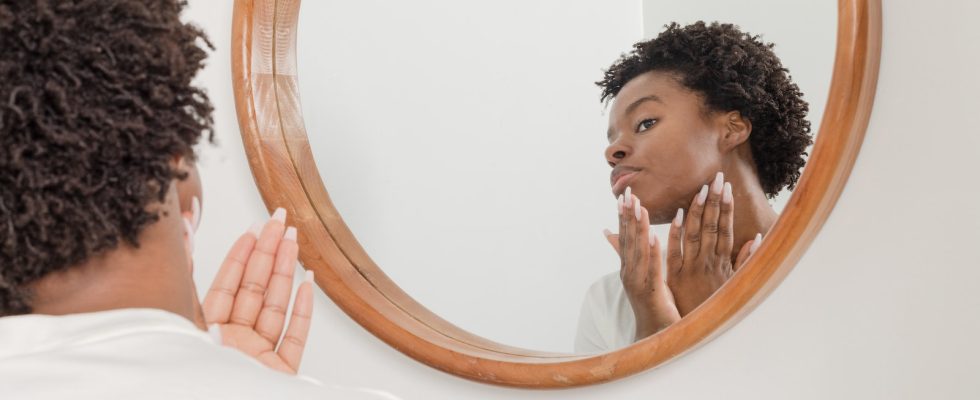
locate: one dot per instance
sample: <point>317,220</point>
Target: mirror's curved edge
<point>281,58</point>
<point>283,168</point>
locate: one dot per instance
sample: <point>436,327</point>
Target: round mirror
<point>466,148</point>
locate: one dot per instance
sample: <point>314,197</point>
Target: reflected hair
<point>96,103</point>
<point>733,71</point>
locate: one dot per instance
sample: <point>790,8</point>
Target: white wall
<point>463,144</point>
<point>884,305</point>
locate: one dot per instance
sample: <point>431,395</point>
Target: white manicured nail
<point>619,203</point>
<point>716,185</point>
<point>290,233</point>
<point>606,232</point>
<point>703,195</point>
<point>629,195</point>
<point>726,196</point>
<point>196,212</point>
<point>755,243</point>
<point>653,237</point>
<point>679,218</point>
<point>215,331</point>
<point>309,276</point>
<point>279,215</point>
<point>636,209</point>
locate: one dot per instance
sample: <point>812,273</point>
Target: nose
<point>616,152</point>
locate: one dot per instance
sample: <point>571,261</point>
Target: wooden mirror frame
<point>271,122</point>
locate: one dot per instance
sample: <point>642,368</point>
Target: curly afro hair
<point>96,102</point>
<point>734,71</point>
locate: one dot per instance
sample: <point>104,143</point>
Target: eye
<point>645,124</point>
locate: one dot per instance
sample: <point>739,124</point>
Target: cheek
<point>675,170</point>
<point>679,157</point>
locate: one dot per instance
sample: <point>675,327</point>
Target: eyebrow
<point>642,100</point>
<point>634,105</point>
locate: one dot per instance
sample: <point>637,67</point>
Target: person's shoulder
<point>149,354</point>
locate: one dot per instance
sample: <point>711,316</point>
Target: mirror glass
<point>465,143</point>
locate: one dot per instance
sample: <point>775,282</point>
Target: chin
<point>661,212</point>
<point>662,216</point>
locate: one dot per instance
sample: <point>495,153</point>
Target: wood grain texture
<point>271,122</point>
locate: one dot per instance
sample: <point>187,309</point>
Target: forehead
<point>664,85</point>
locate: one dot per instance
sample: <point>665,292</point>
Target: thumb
<point>612,238</point>
<point>747,249</point>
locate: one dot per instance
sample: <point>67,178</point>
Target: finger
<point>692,226</point>
<point>675,255</point>
<point>612,238</point>
<point>747,250</point>
<point>643,274</point>
<point>626,232</point>
<point>221,296</point>
<point>273,314</point>
<point>709,221</point>
<point>726,223</point>
<point>251,291</point>
<point>293,343</point>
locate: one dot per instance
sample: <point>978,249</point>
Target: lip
<point>619,182</point>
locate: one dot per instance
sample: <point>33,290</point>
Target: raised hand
<point>642,268</point>
<point>699,252</point>
<point>250,296</point>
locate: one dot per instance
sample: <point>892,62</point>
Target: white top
<point>606,321</point>
<point>138,353</point>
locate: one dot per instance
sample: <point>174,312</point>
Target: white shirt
<point>138,354</point>
<point>606,321</point>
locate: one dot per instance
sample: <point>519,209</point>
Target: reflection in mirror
<point>466,147</point>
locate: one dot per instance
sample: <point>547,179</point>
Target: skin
<point>248,298</point>
<point>664,132</point>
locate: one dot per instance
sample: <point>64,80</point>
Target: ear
<point>189,188</point>
<point>735,129</point>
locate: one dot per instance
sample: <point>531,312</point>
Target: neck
<point>753,214</point>
<point>154,275</point>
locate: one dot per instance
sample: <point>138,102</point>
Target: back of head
<point>96,102</point>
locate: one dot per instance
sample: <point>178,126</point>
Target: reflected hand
<point>703,263</point>
<point>641,269</point>
<point>250,296</point>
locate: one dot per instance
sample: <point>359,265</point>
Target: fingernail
<point>636,209</point>
<point>256,228</point>
<point>629,195</point>
<point>606,232</point>
<point>309,276</point>
<point>679,218</point>
<point>755,243</point>
<point>290,233</point>
<point>215,331</point>
<point>279,215</point>
<point>703,195</point>
<point>653,237</point>
<point>196,212</point>
<point>190,235</point>
<point>726,196</point>
<point>619,203</point>
<point>716,185</point>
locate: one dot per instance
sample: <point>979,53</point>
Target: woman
<point>98,205</point>
<point>703,117</point>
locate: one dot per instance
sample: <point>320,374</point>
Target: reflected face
<point>662,143</point>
